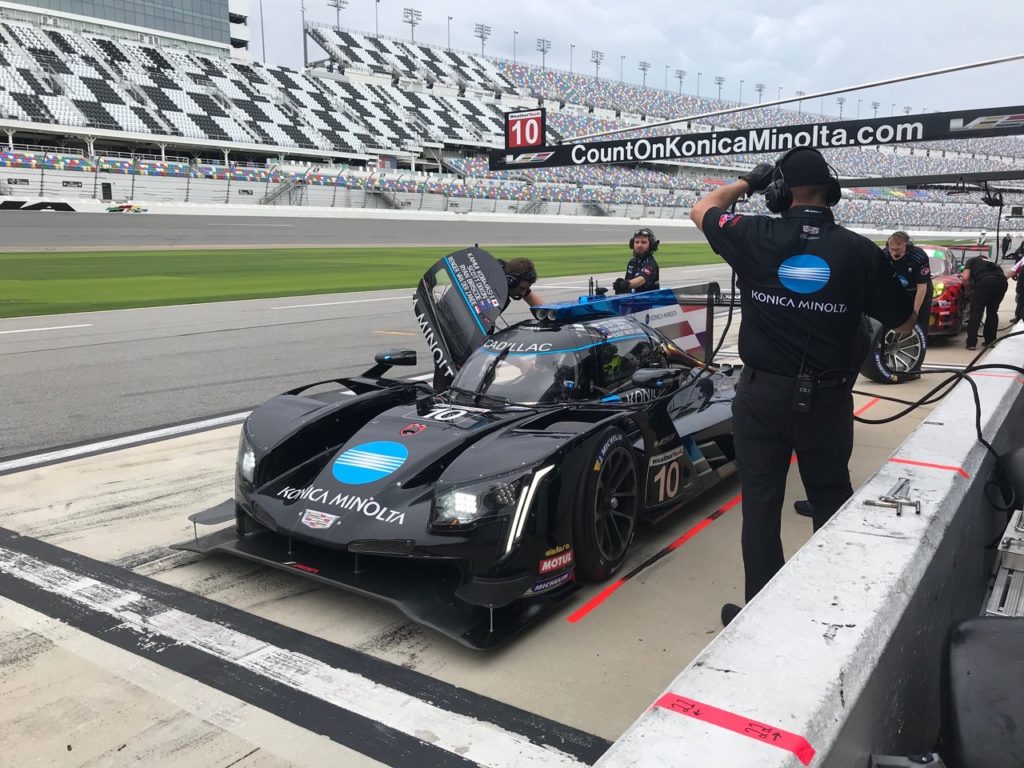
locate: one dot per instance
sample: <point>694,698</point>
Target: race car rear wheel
<point>604,519</point>
<point>892,355</point>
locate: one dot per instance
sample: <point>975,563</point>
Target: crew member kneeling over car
<point>642,269</point>
<point>804,282</point>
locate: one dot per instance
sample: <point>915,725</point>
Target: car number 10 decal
<point>665,477</point>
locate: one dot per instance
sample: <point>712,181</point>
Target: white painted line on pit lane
<point>49,328</point>
<point>482,742</point>
<point>347,301</point>
<point>250,225</point>
<point>121,442</point>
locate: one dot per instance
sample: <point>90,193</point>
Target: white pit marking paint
<point>348,301</point>
<point>482,742</point>
<point>50,328</point>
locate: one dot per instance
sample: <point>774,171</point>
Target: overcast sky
<point>792,44</point>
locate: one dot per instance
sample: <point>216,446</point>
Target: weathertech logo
<point>987,123</point>
<point>529,157</point>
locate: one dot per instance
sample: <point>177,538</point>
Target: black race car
<point>476,509</point>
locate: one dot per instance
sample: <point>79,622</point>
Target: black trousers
<point>767,432</point>
<point>1020,298</point>
<point>986,294</point>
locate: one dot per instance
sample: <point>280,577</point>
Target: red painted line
<point>752,729</point>
<point>605,593</point>
<point>595,601</point>
<point>869,404</point>
<point>958,470</point>
<point>1018,378</point>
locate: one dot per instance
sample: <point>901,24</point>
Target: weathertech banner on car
<point>457,303</point>
<point>961,124</point>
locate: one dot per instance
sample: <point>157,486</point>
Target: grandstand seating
<point>388,96</point>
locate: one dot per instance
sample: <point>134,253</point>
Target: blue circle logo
<point>369,462</point>
<point>804,273</point>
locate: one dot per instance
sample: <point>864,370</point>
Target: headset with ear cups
<point>778,196</point>
<point>514,278</point>
<point>649,234</point>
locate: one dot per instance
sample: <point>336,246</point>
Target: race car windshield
<point>937,264</point>
<point>521,379</point>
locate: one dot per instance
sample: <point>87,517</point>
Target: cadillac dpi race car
<point>476,509</point>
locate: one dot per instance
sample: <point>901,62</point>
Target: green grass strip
<point>44,283</point>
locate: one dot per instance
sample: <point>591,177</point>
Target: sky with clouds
<point>788,44</point>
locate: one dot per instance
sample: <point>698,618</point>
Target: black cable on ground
<point>1007,497</point>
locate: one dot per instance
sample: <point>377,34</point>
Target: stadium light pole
<point>666,77</point>
<point>680,76</point>
<point>800,104</point>
<point>572,47</point>
<point>411,16</point>
<point>450,33</point>
<point>760,91</point>
<point>892,109</point>
<point>597,57</point>
<point>515,36</point>
<point>376,19</point>
<point>780,92</point>
<point>698,82</point>
<point>543,45</point>
<point>643,66</point>
<point>741,92</point>
<point>263,33</point>
<point>840,100</point>
<point>875,105</point>
<point>483,32</point>
<point>858,108</point>
<point>906,111</point>
<point>719,81</point>
<point>622,63</point>
<point>338,6</point>
<point>305,45</point>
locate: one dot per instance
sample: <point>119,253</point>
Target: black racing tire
<point>891,356</point>
<point>606,507</point>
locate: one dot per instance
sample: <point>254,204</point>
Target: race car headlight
<point>466,504</point>
<point>246,459</point>
<point>938,289</point>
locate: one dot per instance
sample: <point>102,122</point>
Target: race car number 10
<point>665,477</point>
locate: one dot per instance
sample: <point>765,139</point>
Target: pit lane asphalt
<point>74,378</point>
<point>26,230</point>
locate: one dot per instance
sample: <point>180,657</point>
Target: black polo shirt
<point>804,282</point>
<point>647,268</point>
<point>912,270</point>
<point>980,268</point>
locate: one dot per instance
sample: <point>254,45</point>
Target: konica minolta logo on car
<point>805,273</point>
<point>369,462</point>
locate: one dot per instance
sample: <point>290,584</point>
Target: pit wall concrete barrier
<point>841,654</point>
<point>302,212</point>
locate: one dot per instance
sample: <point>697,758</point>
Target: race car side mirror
<point>396,357</point>
<point>662,379</point>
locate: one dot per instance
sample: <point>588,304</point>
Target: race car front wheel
<point>604,518</point>
<point>891,355</point>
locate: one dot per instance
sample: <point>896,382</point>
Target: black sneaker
<point>971,347</point>
<point>729,612</point>
<point>803,508</point>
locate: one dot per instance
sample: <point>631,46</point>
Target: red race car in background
<point>948,300</point>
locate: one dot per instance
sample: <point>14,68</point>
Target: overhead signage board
<point>934,126</point>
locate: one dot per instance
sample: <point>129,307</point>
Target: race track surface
<point>77,377</point>
<point>68,231</point>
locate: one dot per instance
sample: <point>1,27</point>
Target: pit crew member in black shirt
<point>913,269</point>
<point>804,282</point>
<point>642,269</point>
<point>988,286</point>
